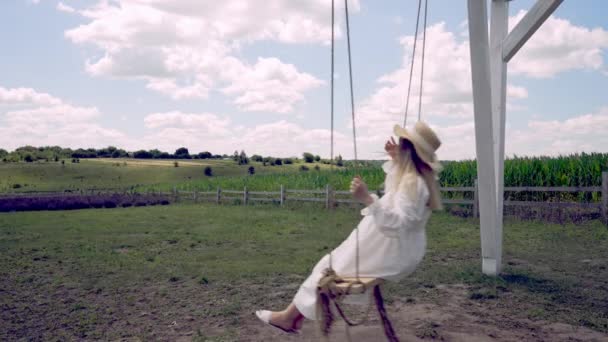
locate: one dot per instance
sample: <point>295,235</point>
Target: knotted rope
<point>329,292</point>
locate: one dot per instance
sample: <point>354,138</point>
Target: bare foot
<point>278,319</point>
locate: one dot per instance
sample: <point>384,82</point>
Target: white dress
<point>392,242</point>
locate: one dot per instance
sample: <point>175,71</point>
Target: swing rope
<point>409,87</point>
<point>329,289</point>
<point>352,103</point>
<point>426,3</point>
<point>352,107</point>
<point>332,104</point>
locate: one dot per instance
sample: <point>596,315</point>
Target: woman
<point>392,233</point>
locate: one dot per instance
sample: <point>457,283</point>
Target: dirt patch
<point>188,310</point>
<point>457,318</point>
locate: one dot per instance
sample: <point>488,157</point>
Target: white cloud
<point>205,123</point>
<point>211,132</point>
<point>584,133</point>
<point>269,85</point>
<point>559,46</point>
<point>65,8</point>
<point>43,119</point>
<point>188,48</point>
<point>26,96</point>
<point>447,91</point>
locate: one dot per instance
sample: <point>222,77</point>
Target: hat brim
<point>428,158</point>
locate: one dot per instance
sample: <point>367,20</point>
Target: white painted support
<point>520,34</point>
<point>482,102</point>
<point>498,31</point>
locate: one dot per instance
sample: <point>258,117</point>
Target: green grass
<point>122,174</point>
<point>143,174</point>
<point>78,270</point>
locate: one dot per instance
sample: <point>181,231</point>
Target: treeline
<point>55,153</point>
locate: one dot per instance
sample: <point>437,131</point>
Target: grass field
<point>197,272</point>
<point>120,174</point>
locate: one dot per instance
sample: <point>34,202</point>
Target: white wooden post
<point>489,99</point>
<point>245,196</point>
<point>498,71</point>
<point>605,197</point>
<point>282,195</point>
<point>327,191</point>
<point>482,104</point>
<point>195,196</point>
<point>218,195</point>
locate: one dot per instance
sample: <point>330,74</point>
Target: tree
<point>119,153</point>
<point>208,171</point>
<point>317,158</point>
<point>278,161</point>
<point>287,161</point>
<point>155,153</point>
<point>308,157</point>
<point>205,155</point>
<point>251,170</point>
<point>257,158</point>
<point>28,158</point>
<point>339,161</point>
<point>243,160</point>
<point>235,156</point>
<point>3,153</point>
<point>182,153</point>
<point>142,154</point>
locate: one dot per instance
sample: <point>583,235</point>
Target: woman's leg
<point>290,318</point>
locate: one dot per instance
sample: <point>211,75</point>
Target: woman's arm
<point>404,213</point>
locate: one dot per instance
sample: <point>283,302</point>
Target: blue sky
<point>255,76</point>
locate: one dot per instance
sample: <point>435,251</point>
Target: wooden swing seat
<point>367,283</point>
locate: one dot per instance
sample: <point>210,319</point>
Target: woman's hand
<point>391,148</point>
<point>359,190</point>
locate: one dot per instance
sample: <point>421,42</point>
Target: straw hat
<point>425,142</point>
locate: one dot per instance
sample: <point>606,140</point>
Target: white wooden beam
<point>482,103</point>
<point>520,34</point>
<point>499,27</point>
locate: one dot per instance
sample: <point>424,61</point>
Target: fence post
<point>219,195</point>
<point>605,197</point>
<point>245,196</point>
<point>327,190</point>
<point>175,194</point>
<point>476,199</point>
<point>282,195</point>
<point>195,196</point>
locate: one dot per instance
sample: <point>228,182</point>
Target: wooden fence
<point>330,197</point>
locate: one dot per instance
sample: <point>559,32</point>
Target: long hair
<point>408,166</point>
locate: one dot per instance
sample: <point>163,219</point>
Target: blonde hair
<point>407,168</point>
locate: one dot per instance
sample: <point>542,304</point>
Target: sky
<point>230,75</point>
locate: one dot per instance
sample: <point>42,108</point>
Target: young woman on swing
<point>392,232</point>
